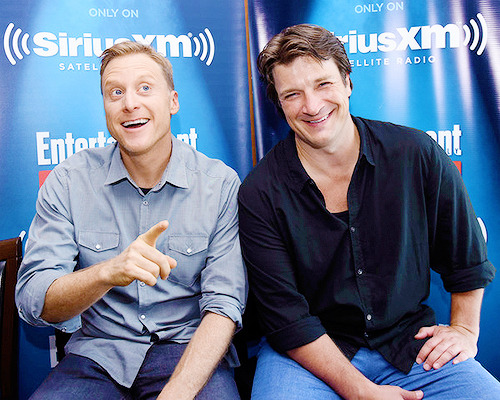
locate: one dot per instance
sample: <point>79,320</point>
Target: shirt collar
<point>117,170</point>
<point>297,173</point>
<point>174,174</point>
<point>365,138</point>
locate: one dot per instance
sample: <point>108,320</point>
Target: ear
<point>174,102</point>
<point>348,84</point>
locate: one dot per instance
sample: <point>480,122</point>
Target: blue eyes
<point>119,92</point>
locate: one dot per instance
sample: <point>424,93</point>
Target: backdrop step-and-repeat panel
<point>430,64</point>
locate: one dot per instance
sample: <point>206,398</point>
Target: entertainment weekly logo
<point>17,45</point>
<point>474,36</point>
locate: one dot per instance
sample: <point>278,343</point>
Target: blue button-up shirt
<point>89,210</point>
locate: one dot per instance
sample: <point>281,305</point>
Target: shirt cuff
<point>230,309</point>
<point>31,301</point>
<point>465,280</point>
<point>296,334</point>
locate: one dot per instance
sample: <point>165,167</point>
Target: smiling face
<point>138,103</point>
<point>315,101</point>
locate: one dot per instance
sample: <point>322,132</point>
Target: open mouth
<point>136,123</point>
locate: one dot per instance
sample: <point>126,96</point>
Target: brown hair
<point>129,47</point>
<point>302,40</point>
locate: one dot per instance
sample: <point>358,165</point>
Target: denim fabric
<point>278,377</point>
<point>77,377</point>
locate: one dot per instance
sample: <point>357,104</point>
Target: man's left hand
<point>446,343</point>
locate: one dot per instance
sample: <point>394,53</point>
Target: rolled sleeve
<point>283,311</point>
<point>223,280</point>
<point>464,280</point>
<point>30,299</point>
<point>296,334</point>
<point>458,247</point>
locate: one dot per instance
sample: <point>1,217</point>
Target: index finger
<point>154,232</point>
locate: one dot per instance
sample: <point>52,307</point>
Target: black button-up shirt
<point>362,276</point>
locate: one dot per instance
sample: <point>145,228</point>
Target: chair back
<point>10,256</point>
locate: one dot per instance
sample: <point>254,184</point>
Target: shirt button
<point>369,317</point>
<point>353,229</point>
<point>141,283</point>
<point>366,335</point>
<point>98,246</point>
<point>143,316</point>
<point>189,250</point>
<point>145,202</point>
<point>360,271</point>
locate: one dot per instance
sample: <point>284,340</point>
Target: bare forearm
<point>72,294</point>
<point>466,310</point>
<point>201,357</point>
<point>324,359</point>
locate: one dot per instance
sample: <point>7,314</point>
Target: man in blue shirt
<point>340,223</point>
<point>135,249</point>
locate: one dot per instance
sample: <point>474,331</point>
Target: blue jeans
<point>278,377</point>
<point>77,377</point>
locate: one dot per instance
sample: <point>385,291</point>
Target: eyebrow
<point>316,81</point>
<point>115,82</point>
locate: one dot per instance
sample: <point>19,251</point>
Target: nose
<point>130,101</point>
<point>312,104</point>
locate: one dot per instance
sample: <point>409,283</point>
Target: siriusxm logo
<point>421,38</point>
<point>47,44</point>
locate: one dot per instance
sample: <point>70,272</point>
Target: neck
<point>332,169</point>
<point>338,157</point>
<point>147,169</point>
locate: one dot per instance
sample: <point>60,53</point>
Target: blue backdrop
<point>431,64</point>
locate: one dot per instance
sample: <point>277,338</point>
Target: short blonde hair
<point>129,47</point>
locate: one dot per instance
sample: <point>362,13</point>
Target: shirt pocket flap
<point>188,245</point>
<point>98,241</point>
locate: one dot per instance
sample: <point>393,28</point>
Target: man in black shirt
<point>340,224</point>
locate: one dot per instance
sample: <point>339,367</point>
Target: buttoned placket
<point>354,231</point>
<point>143,290</point>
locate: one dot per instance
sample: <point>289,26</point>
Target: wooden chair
<point>11,255</point>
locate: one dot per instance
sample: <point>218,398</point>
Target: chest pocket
<point>95,247</point>
<point>190,252</point>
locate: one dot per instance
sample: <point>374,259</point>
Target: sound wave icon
<point>205,47</point>
<point>15,43</point>
<point>475,36</point>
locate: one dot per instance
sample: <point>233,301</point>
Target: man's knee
<point>77,377</point>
